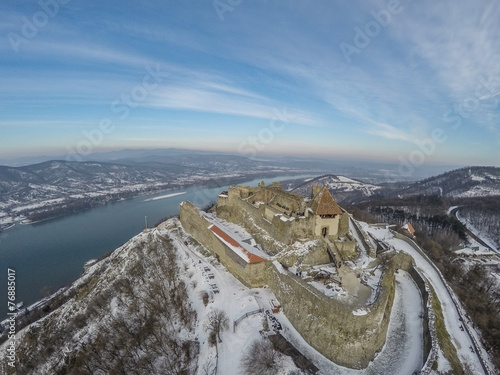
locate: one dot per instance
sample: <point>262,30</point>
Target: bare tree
<point>261,359</point>
<point>216,322</point>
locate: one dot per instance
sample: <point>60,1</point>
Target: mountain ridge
<point>467,182</point>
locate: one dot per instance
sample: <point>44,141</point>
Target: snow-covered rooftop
<point>235,237</point>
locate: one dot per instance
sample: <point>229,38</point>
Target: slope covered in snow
<point>343,189</point>
<point>460,183</point>
<point>454,314</point>
<point>146,309</point>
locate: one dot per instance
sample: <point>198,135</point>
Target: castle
<point>284,233</point>
<point>285,217</point>
<point>288,216</point>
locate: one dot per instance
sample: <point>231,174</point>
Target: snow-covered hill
<point>460,183</point>
<point>343,189</point>
<point>148,308</point>
<point>56,188</point>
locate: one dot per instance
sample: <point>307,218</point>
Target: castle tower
<point>326,214</point>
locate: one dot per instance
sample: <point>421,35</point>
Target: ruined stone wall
<point>240,209</point>
<point>344,224</point>
<point>301,228</point>
<point>365,240</point>
<point>347,249</point>
<point>316,254</point>
<point>252,275</point>
<point>328,325</point>
<point>425,297</point>
<point>290,201</point>
<point>222,200</point>
<point>252,218</point>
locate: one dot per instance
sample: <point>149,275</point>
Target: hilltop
<point>345,189</point>
<point>466,182</point>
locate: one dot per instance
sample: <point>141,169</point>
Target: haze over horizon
<point>390,81</point>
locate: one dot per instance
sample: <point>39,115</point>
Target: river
<point>51,254</point>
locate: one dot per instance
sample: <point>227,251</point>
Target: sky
<point>408,82</point>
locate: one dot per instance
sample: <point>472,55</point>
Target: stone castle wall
<point>425,297</point>
<point>252,275</point>
<point>274,195</point>
<point>253,219</point>
<point>243,205</point>
<point>329,325</point>
<point>325,323</point>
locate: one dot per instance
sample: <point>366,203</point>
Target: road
<point>453,313</point>
<point>453,213</point>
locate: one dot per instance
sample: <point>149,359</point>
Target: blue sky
<point>397,81</point>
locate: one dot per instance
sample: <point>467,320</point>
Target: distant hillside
<point>343,189</point>
<point>59,179</point>
<point>55,188</point>
<point>471,194</point>
<point>461,183</point>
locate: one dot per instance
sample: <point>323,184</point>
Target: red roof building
<point>408,228</point>
<point>235,245</point>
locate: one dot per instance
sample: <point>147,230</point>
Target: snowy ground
<point>483,236</point>
<point>461,339</point>
<point>236,299</point>
<point>402,354</point>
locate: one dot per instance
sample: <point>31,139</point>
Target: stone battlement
<point>276,219</point>
<point>285,216</point>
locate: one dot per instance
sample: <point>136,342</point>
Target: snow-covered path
<point>461,339</point>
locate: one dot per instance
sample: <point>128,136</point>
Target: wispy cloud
<point>428,60</point>
<point>225,101</point>
<point>390,132</point>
